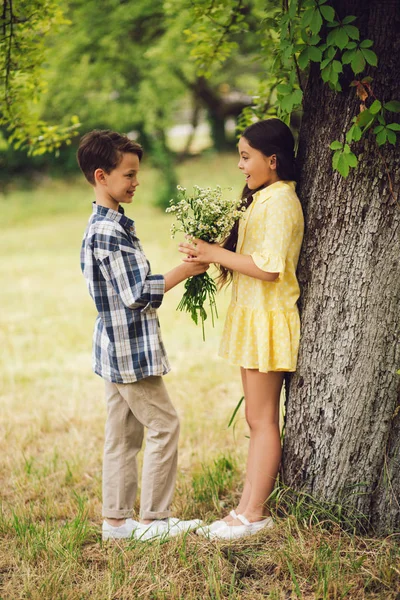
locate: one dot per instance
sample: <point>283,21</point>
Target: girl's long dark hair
<point>270,136</point>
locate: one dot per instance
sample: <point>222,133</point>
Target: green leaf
<point>325,63</point>
<point>328,13</point>
<point>292,9</point>
<point>358,62</point>
<point>357,133</point>
<point>365,118</point>
<point>352,32</point>
<point>394,126</point>
<point>342,38</point>
<point>316,22</point>
<point>349,19</point>
<point>391,137</point>
<point>348,57</point>
<point>335,159</point>
<point>378,128</point>
<point>381,137</point>
<point>343,165</point>
<point>283,88</point>
<point>326,73</point>
<point>307,18</point>
<point>370,57</point>
<point>303,58</point>
<point>375,107</point>
<point>366,44</point>
<point>337,66</point>
<point>287,103</point>
<point>314,40</point>
<point>392,106</point>
<point>354,134</point>
<point>331,52</point>
<point>331,37</point>
<point>297,97</point>
<point>332,77</point>
<point>336,145</point>
<point>352,160</point>
<point>314,54</point>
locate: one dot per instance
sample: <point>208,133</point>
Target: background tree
<point>127,66</point>
<point>24,30</point>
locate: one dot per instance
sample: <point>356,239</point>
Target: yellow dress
<point>262,328</point>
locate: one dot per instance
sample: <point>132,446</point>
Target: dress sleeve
<point>127,270</point>
<point>277,234</point>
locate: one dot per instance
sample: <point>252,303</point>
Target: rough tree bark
<point>342,438</point>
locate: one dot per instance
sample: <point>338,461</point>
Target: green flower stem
<point>198,290</point>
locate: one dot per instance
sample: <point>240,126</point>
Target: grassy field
<point>51,430</point>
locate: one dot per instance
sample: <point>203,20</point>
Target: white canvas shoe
<point>158,528</point>
<point>183,526</point>
<point>205,530</point>
<point>234,532</point>
<point>119,533</point>
<point>165,528</point>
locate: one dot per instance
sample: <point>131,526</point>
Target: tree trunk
<point>342,436</point>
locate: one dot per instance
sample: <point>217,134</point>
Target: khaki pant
<point>130,408</point>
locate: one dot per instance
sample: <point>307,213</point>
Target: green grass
<point>51,435</point>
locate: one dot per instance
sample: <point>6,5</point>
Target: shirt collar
<point>114,215</point>
<point>269,191</point>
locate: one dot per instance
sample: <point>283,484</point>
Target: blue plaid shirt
<point>127,344</point>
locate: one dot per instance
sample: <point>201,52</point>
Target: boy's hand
<point>182,272</point>
<point>195,268</point>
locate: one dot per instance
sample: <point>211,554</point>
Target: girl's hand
<point>198,251</point>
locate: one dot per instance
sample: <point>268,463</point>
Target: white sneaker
<point>205,530</point>
<point>119,533</point>
<point>183,526</point>
<point>165,528</point>
<point>234,532</point>
<point>158,528</point>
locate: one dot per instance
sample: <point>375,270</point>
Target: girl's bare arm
<point>199,251</point>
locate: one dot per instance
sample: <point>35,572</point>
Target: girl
<point>262,326</point>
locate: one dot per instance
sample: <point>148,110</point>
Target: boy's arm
<point>182,272</point>
<point>127,270</point>
<point>129,274</point>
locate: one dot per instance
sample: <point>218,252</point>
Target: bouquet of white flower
<point>207,216</point>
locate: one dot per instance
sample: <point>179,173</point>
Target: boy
<point>128,352</point>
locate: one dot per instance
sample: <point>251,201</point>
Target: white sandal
<point>205,530</point>
<point>234,532</point>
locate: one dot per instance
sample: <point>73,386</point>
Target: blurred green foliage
<point>127,65</point>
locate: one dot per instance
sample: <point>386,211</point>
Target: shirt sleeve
<point>128,271</point>
<point>277,235</point>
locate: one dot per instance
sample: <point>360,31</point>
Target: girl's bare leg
<point>247,485</point>
<point>262,395</point>
<point>246,490</point>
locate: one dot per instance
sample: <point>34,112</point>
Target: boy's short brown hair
<point>103,149</point>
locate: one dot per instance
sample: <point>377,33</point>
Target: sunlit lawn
<point>52,421</point>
